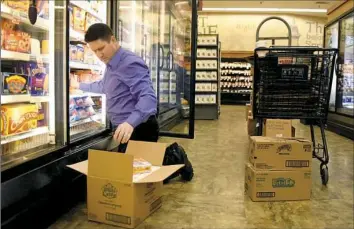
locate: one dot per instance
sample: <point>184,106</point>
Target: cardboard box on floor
<point>114,195</point>
<point>251,126</point>
<point>280,153</point>
<point>278,128</point>
<point>266,185</point>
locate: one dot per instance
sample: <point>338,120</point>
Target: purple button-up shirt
<point>128,89</point>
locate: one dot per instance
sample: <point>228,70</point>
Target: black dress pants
<point>147,131</point>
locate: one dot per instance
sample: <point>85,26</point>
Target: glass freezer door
<point>176,77</point>
<point>331,41</point>
<point>87,109</point>
<point>162,34</point>
<point>345,88</point>
<point>32,120</point>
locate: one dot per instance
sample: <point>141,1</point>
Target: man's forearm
<point>95,87</point>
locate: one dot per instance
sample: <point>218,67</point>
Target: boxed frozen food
<point>45,47</point>
<point>82,113</point>
<point>79,102</point>
<point>90,20</point>
<point>41,116</point>
<point>72,104</point>
<point>80,53</point>
<point>24,42</point>
<point>43,8</point>
<point>89,57</point>
<point>11,41</point>
<point>39,80</point>
<point>79,16</point>
<point>71,16</point>
<point>18,5</point>
<point>90,111</point>
<point>141,166</point>
<point>87,101</point>
<point>14,83</point>
<point>74,115</point>
<point>73,52</point>
<point>18,118</point>
<point>84,76</point>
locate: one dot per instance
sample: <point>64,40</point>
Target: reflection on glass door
<point>346,79</point>
<point>331,41</point>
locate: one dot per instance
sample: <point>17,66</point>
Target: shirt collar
<point>116,58</point>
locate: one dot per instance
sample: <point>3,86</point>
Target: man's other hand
<point>123,133</point>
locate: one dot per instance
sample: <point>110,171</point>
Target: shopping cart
<point>295,83</point>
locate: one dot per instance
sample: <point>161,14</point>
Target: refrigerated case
<point>46,125</point>
<point>340,34</point>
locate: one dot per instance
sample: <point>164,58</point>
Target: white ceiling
<point>299,4</point>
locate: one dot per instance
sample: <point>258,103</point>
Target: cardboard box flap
<point>81,167</point>
<point>151,151</point>
<point>110,165</point>
<point>160,174</point>
<point>275,139</point>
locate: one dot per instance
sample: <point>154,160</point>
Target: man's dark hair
<point>98,31</point>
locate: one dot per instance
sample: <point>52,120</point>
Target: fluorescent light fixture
<point>266,10</point>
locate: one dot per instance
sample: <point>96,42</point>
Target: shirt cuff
<point>134,119</point>
<point>84,86</point>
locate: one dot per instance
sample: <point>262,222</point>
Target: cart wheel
<point>324,174</point>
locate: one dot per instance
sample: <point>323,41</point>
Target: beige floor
<point>215,198</point>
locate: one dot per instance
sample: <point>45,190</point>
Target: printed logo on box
<point>286,147</point>
<point>283,183</point>
<point>109,191</point>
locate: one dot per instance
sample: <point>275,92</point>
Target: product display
<point>13,38</point>
<point>207,77</point>
<point>18,118</point>
<point>236,76</point>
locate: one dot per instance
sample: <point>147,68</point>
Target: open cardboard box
<point>114,195</point>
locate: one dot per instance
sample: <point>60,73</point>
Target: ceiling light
<point>266,10</point>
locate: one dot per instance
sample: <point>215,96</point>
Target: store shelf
<point>78,65</point>
<point>10,55</point>
<point>83,5</point>
<point>93,118</point>
<point>7,99</point>
<point>16,137</point>
<point>84,94</point>
<point>9,13</point>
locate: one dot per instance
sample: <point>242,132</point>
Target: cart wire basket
<point>295,83</point>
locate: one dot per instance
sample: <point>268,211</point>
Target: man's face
<point>104,50</point>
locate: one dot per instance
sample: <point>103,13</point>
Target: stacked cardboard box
<point>279,169</point>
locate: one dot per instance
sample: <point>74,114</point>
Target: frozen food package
<point>79,16</point>
<point>74,116</point>
<point>18,118</point>
<point>73,53</point>
<point>71,17</point>
<point>141,166</point>
<point>43,8</point>
<point>24,42</point>
<point>80,53</point>
<point>87,101</point>
<point>41,115</point>
<point>14,83</point>
<point>19,5</point>
<point>72,104</point>
<point>39,80</point>
<point>79,102</point>
<point>82,113</point>
<point>90,111</point>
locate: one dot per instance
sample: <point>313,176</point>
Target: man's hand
<point>74,83</point>
<point>123,133</point>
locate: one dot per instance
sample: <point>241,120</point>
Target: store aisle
<point>215,198</point>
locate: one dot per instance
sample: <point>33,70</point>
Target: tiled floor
<point>215,198</point>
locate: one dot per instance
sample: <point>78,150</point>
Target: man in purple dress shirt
<point>131,100</point>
